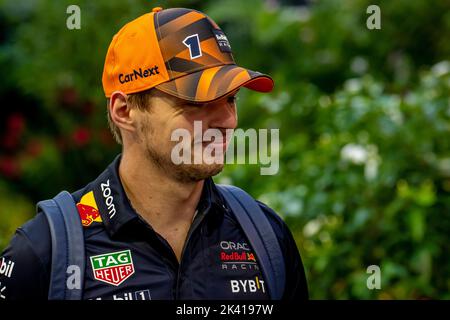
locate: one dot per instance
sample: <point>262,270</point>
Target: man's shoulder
<point>27,258</point>
<point>37,233</point>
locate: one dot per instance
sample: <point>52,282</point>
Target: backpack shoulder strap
<point>260,233</point>
<point>67,245</point>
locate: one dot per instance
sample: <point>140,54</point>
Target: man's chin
<point>197,172</point>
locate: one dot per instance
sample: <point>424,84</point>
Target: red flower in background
<point>15,126</point>
<point>81,136</point>
<point>9,167</point>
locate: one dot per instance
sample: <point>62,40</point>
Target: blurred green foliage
<point>364,119</point>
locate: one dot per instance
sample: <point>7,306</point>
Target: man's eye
<point>232,99</point>
<point>192,104</point>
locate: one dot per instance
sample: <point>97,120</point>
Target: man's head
<point>165,70</point>
<point>148,122</point>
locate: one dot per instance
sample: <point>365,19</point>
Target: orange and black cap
<point>179,51</point>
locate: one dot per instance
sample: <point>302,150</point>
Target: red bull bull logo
<point>88,210</point>
<point>251,257</point>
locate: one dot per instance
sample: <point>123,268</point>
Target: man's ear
<point>120,111</point>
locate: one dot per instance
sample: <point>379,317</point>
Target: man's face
<point>167,116</point>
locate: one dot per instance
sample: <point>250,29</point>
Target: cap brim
<point>213,83</point>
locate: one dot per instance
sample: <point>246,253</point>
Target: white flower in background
<point>361,155</point>
<point>312,227</point>
<point>354,153</point>
<point>441,68</point>
<point>353,85</point>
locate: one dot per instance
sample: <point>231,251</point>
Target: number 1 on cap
<point>193,43</point>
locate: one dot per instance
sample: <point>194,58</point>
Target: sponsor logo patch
<point>247,286</point>
<point>137,295</point>
<point>230,245</point>
<point>113,268</point>
<point>109,199</point>
<point>88,210</point>
<point>222,41</point>
<point>237,256</point>
<point>138,74</point>
<point>6,267</point>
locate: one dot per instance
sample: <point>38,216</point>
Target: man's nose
<point>221,114</point>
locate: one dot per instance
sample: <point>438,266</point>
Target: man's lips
<point>214,145</point>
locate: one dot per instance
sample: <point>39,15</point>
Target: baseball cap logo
<point>136,74</point>
<point>222,41</point>
<point>193,43</point>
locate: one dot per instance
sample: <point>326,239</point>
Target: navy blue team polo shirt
<point>126,259</point>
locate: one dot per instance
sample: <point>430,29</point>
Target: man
<point>154,229</point>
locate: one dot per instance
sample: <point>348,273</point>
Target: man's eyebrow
<point>181,102</point>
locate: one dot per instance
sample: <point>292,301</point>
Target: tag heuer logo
<point>113,268</point>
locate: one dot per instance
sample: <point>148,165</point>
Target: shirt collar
<point>115,208</point>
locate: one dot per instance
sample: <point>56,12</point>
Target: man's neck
<point>162,201</point>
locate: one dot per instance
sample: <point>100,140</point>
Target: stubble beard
<point>185,173</point>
